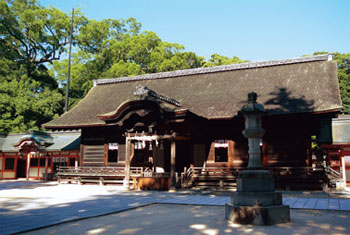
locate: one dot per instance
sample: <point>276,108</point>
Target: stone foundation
<point>257,215</point>
<point>256,201</point>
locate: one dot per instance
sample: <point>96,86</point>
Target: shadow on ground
<point>182,219</point>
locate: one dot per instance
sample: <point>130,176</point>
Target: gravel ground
<point>18,197</point>
<point>182,219</point>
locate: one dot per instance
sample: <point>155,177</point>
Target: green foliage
<point>216,60</point>
<point>22,106</point>
<point>123,69</point>
<point>124,51</point>
<point>343,61</point>
<point>96,35</point>
<point>34,35</point>
<point>30,37</point>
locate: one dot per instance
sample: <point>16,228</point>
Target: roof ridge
<point>221,68</point>
<point>49,132</point>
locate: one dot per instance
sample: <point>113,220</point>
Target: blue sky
<point>250,29</point>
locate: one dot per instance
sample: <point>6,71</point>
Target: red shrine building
<point>183,127</point>
<point>35,153</point>
<point>337,154</point>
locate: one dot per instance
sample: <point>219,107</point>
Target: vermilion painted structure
<point>26,155</point>
<point>337,154</point>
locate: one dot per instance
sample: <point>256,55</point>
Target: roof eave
<point>79,126</point>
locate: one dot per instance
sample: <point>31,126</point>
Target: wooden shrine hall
<point>182,128</point>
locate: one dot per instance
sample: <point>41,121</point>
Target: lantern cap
<point>253,106</point>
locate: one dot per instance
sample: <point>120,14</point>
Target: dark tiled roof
<point>306,84</point>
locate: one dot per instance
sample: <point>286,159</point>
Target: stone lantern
<point>252,113</point>
<point>255,201</point>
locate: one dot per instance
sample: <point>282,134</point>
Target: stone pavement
<point>26,206</point>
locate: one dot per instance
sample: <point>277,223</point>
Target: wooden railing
<point>281,174</point>
<point>285,171</point>
<point>97,171</point>
<point>212,171</point>
<point>108,171</point>
<point>333,173</point>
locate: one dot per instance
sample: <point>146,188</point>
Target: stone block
<point>257,215</point>
<point>257,198</point>
<point>255,181</point>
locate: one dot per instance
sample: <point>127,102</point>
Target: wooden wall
<point>94,146</point>
<point>287,142</point>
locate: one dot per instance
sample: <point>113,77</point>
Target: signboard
<point>221,144</point>
<point>113,146</point>
<point>60,159</point>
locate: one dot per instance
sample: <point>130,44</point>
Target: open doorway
<point>21,168</point>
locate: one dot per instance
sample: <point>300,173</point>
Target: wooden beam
<point>182,137</point>
<point>146,137</point>
<point>82,148</point>
<point>28,166</point>
<point>231,153</point>
<point>172,164</point>
<point>105,161</point>
<point>126,182</point>
<point>46,165</point>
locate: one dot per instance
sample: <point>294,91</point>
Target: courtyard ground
<point>41,208</point>
<point>187,219</point>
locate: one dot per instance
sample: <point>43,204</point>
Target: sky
<point>253,30</point>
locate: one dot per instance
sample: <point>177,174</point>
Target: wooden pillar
<point>264,154</point>
<point>2,166</point>
<point>126,182</point>
<point>172,163</point>
<point>231,153</point>
<point>105,161</point>
<point>28,166</point>
<point>343,169</point>
<point>82,148</point>
<point>308,161</point>
<point>46,165</point>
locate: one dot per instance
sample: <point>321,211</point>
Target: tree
<point>124,51</point>
<point>31,36</point>
<point>216,60</point>
<point>343,61</point>
<point>22,106</point>
<point>33,64</point>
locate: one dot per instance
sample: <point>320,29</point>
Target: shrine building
<point>176,125</point>
<point>30,155</point>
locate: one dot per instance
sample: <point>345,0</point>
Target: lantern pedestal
<point>256,201</point>
<point>257,215</point>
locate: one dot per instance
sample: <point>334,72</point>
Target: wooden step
<point>233,178</point>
